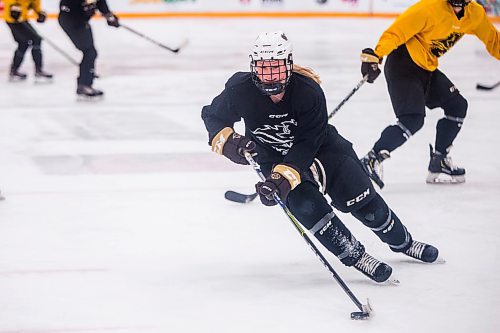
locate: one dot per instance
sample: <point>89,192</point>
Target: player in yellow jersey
<point>16,15</point>
<point>413,44</point>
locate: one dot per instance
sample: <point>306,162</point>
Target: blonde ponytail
<point>306,71</point>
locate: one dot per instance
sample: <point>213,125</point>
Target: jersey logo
<point>279,137</point>
<point>278,115</point>
<point>441,46</point>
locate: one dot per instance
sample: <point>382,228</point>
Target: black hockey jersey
<point>291,131</point>
<point>83,9</point>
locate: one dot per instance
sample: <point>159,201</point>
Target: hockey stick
<point>176,50</point>
<point>364,309</point>
<point>54,46</point>
<point>246,198</point>
<point>480,86</point>
<point>353,91</point>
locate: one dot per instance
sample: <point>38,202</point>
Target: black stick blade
<point>360,315</point>
<point>239,197</point>
<point>480,86</point>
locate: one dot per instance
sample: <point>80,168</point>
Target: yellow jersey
<point>26,6</point>
<point>430,28</point>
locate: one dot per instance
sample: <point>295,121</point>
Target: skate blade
<point>44,80</point>
<point>89,99</point>
<point>442,178</point>
<point>440,260</point>
<point>391,281</point>
<point>16,80</point>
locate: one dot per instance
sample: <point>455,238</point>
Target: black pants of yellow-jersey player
<point>411,90</point>
<point>25,36</point>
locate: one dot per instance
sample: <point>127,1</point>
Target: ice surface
<point>115,218</point>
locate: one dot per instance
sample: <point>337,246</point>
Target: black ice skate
<point>87,92</point>
<point>374,269</point>
<point>442,170</point>
<point>422,251</point>
<point>372,164</point>
<point>16,76</point>
<point>42,76</point>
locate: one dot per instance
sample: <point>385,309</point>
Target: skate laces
<point>367,264</point>
<point>375,165</point>
<point>416,249</point>
<point>449,163</point>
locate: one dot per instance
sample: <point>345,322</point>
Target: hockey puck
<point>360,315</point>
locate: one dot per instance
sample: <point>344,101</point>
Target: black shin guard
<point>310,207</point>
<point>36,53</point>
<point>384,223</point>
<point>447,128</point>
<point>395,135</point>
<point>19,55</point>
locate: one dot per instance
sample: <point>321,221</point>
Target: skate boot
<point>442,170</point>
<point>372,164</point>
<point>16,76</point>
<point>87,92</point>
<point>423,252</point>
<point>374,269</point>
<point>42,76</point>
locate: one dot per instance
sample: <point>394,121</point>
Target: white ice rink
<point>115,219</point>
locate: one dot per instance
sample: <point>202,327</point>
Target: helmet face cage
<point>458,3</point>
<point>272,55</point>
<point>271,88</point>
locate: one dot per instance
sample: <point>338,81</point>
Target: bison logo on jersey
<point>279,137</point>
<point>440,47</point>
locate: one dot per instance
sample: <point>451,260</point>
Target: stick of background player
<point>174,50</point>
<point>480,86</point>
<point>413,43</point>
<point>74,17</point>
<point>54,46</point>
<point>246,198</point>
<point>297,147</point>
<point>16,15</point>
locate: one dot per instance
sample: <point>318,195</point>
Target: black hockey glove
<point>112,20</point>
<point>282,180</point>
<point>233,145</point>
<point>42,16</point>
<point>15,12</point>
<point>369,64</point>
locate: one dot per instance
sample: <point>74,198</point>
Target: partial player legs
<point>391,138</point>
<point>377,215</point>
<point>313,211</point>
<point>445,95</point>
<point>82,38</point>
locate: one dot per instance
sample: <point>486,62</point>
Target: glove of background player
<point>15,12</point>
<point>369,64</point>
<point>42,16</point>
<point>282,180</point>
<point>112,20</point>
<point>232,145</point>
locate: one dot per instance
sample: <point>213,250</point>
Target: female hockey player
<point>420,35</point>
<point>16,15</point>
<point>302,156</point>
<point>74,19</point>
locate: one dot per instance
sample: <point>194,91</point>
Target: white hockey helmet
<point>271,46</point>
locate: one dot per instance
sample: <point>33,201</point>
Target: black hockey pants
<point>25,36</point>
<point>80,34</point>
